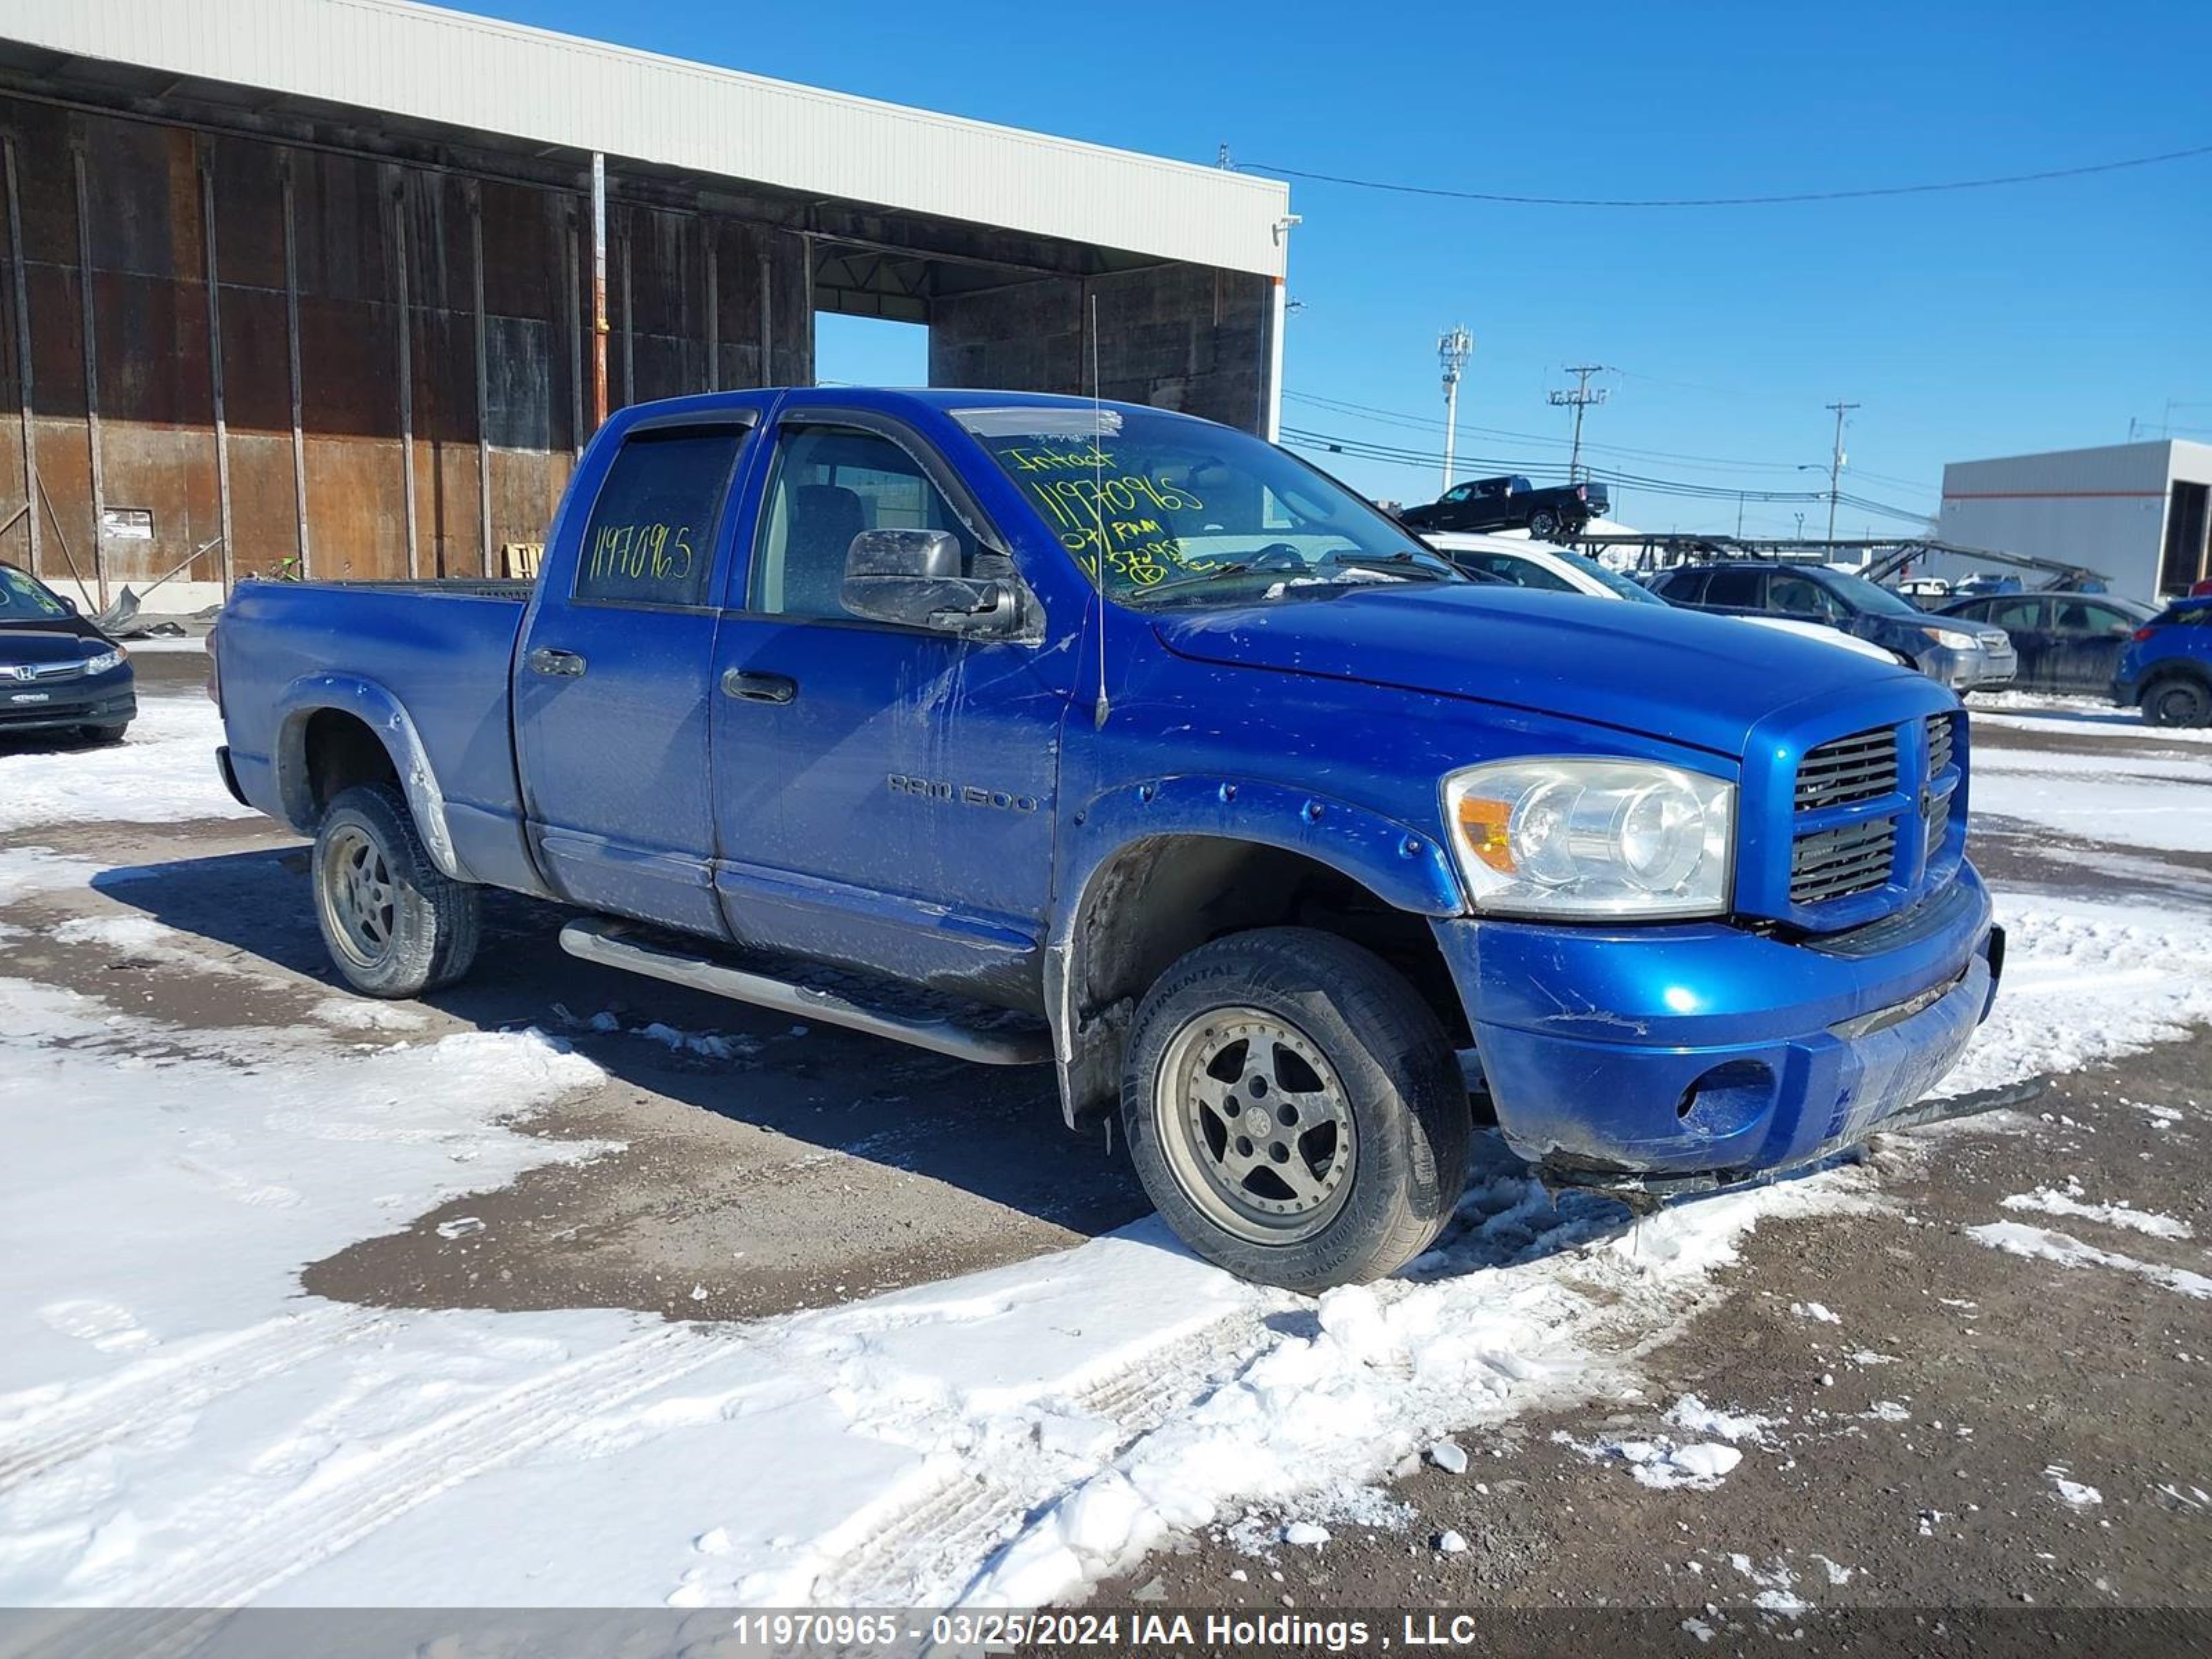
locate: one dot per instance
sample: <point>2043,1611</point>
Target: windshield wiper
<point>1234,567</point>
<point>1429,565</point>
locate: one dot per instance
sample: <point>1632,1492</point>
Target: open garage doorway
<point>869,351</point>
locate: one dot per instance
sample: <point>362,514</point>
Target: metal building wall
<point>393,377</point>
<point>1179,336</point>
<point>2102,507</point>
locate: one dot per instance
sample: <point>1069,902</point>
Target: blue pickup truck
<point>1040,731</point>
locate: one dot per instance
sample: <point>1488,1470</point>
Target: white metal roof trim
<point>499,77</point>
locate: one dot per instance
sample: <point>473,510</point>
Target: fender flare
<point>378,708</point>
<point>1403,866</point>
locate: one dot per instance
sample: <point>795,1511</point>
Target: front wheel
<point>1295,1111</point>
<point>395,924</point>
<point>2178,703</point>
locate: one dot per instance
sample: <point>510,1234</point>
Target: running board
<point>613,942</point>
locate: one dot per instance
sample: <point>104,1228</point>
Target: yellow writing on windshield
<point>1116,519</point>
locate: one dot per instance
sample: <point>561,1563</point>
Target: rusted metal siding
<point>424,409</point>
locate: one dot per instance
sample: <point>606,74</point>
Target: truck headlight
<point>1950,638</point>
<point>1591,838</point>
<point>111,657</point>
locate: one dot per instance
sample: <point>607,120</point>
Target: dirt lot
<point>1922,1419</point>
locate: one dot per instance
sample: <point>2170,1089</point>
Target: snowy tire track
<point>925,1540</point>
<point>152,1391</point>
<point>292,1534</point>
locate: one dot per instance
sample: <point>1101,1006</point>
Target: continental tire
<point>395,925</point>
<point>1295,1111</point>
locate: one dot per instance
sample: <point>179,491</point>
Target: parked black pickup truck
<point>1511,503</point>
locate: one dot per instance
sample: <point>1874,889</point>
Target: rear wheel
<point>396,925</point>
<point>107,733</point>
<point>2177,702</point>
<point>1294,1110</point>
<point>1543,522</point>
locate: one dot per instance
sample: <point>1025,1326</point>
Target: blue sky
<point>1968,324</point>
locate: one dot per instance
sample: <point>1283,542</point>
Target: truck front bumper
<point>1704,1050</point>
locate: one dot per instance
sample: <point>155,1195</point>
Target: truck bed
<point>441,651</point>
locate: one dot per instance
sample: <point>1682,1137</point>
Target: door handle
<point>759,688</point>
<point>564,665</point>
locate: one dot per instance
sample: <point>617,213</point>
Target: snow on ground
<point>2089,718</point>
<point>2069,1201</point>
<point>2138,801</point>
<point>163,771</point>
<point>180,1425</point>
<point>2017,1238</point>
<point>2086,981</point>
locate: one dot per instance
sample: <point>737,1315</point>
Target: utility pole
<point>1578,400</point>
<point>1454,348</point>
<point>1836,464</point>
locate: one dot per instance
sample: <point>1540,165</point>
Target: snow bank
<point>163,772</point>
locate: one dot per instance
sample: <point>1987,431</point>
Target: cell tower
<point>1454,348</point>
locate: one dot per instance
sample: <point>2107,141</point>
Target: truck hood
<point>1666,673</point>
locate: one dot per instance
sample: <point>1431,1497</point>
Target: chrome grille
<point>43,670</point>
<point>1860,767</point>
<point>1834,863</point>
<point>1938,744</point>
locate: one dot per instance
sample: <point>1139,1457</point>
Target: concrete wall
<point>412,390</point>
<point>2103,507</point>
<point>1178,337</point>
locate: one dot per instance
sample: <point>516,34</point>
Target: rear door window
<point>2087,617</point>
<point>2026,615</point>
<point>1744,589</point>
<point>1801,596</point>
<point>650,539</point>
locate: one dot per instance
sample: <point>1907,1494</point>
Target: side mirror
<point>67,604</point>
<point>913,578</point>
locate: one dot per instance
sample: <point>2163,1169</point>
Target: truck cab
<point>1042,731</point>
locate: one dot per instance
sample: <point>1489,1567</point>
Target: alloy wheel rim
<point>359,897</point>
<point>1256,1124</point>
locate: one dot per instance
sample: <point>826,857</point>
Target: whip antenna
<point>1103,707</point>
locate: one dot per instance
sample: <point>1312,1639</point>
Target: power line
<point>1426,460</point>
<point>1717,463</point>
<point>1775,200</point>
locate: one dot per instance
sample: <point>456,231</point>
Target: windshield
<point>1161,508</point>
<point>1870,595</point>
<point>20,596</point>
